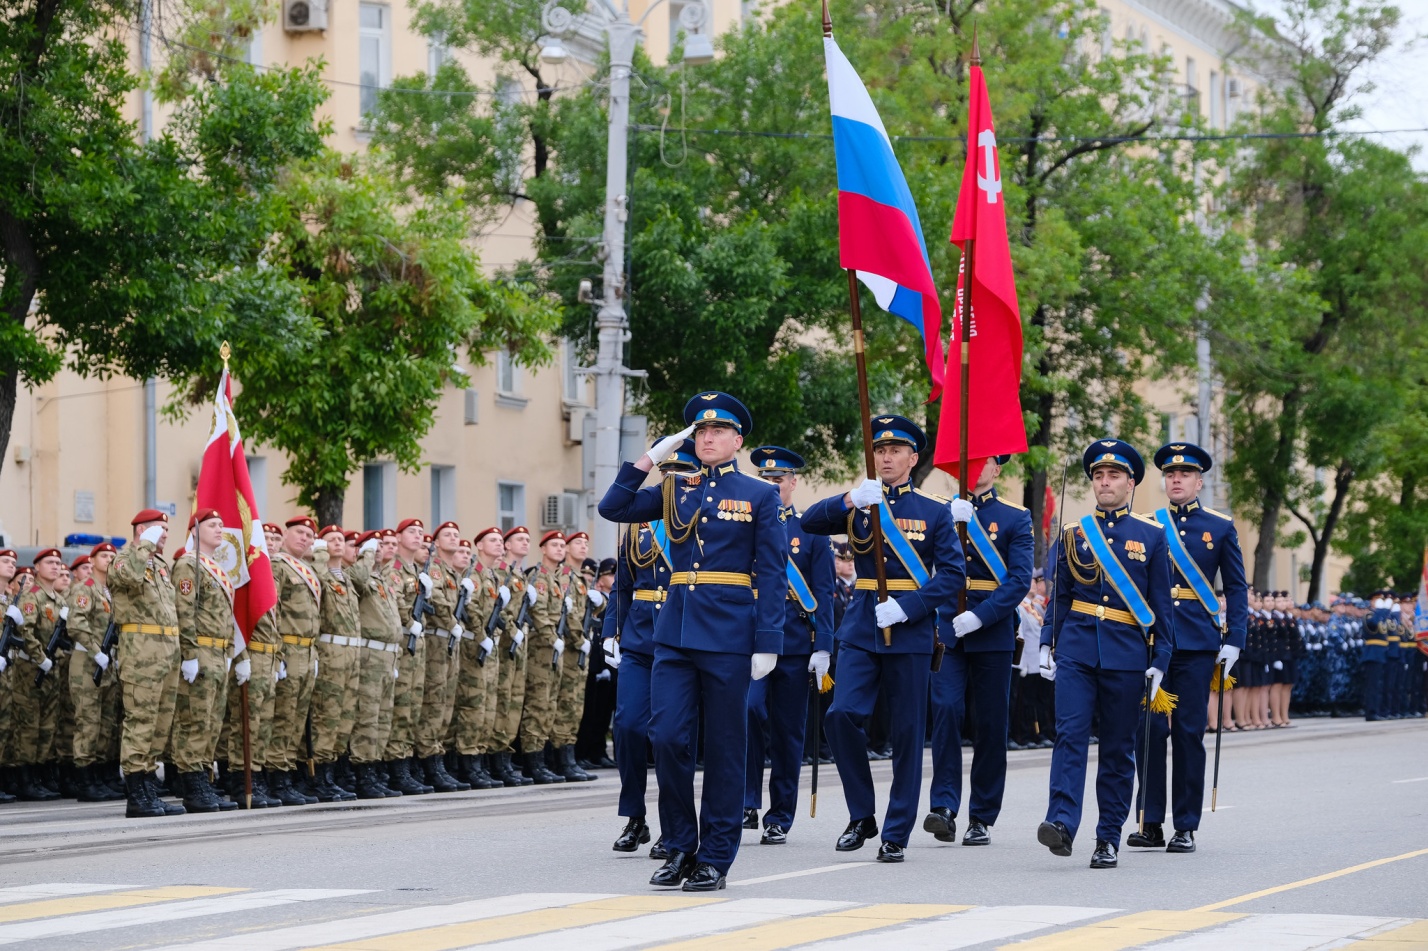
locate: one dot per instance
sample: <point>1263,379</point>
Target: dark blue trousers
<point>1113,697</point>
<point>988,675</point>
<point>1392,678</point>
<point>1373,688</point>
<point>631,730</point>
<point>778,710</point>
<point>856,693</point>
<point>1189,679</point>
<point>679,681</point>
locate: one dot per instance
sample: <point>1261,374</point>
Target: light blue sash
<point>1188,568</point>
<point>661,541</point>
<point>987,549</point>
<point>901,547</point>
<point>1116,573</point>
<point>799,586</point>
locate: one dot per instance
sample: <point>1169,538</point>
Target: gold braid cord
<point>632,550</point>
<point>859,546</point>
<point>1084,572</point>
<point>677,532</point>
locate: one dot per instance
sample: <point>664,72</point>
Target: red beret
<point>203,515</point>
<point>102,546</point>
<point>26,570</point>
<point>463,543</point>
<point>444,526</point>
<point>389,533</point>
<point>426,539</point>
<point>584,535</point>
<point>493,530</point>
<point>329,529</point>
<point>81,560</point>
<point>407,523</point>
<point>305,521</point>
<point>352,536</point>
<point>11,552</point>
<point>46,553</point>
<point>516,530</point>
<point>150,515</point>
<point>272,527</point>
<point>551,537</point>
<point>367,536</point>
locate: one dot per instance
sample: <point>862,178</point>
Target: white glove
<point>1155,675</point>
<point>1278,665</point>
<point>319,545</point>
<point>602,675</point>
<point>569,603</point>
<point>559,647</point>
<point>1396,608</point>
<point>762,665</point>
<point>14,613</point>
<point>457,631</point>
<point>889,613</point>
<point>585,647</point>
<point>64,613</point>
<point>867,494</point>
<point>962,510</point>
<point>612,653</point>
<point>152,534</point>
<point>596,598</point>
<point>661,450</point>
<point>46,664</point>
<point>532,595</point>
<point>102,659</point>
<point>189,670</point>
<point>505,595</point>
<point>1047,666</point>
<point>243,671</point>
<point>3,663</point>
<point>369,545</point>
<point>487,644</point>
<point>818,665</point>
<point>395,673</point>
<point>314,668</point>
<point>519,637</point>
<point>416,628</point>
<point>227,666</point>
<point>282,672</point>
<point>965,623</point>
<point>425,580</point>
<point>469,585</point>
<point>1227,656</point>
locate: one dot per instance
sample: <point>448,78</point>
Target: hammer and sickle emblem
<point>987,141</point>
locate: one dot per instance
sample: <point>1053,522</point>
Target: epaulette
<point>89,582</point>
<point>1148,520</point>
<point>1210,511</point>
<point>1010,504</point>
<point>929,495</point>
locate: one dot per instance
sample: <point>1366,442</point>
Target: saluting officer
<point>96,706</point>
<point>1110,607</point>
<point>1201,543</point>
<point>999,564</point>
<point>778,704</point>
<point>511,676</point>
<point>35,706</point>
<point>721,628</point>
<point>888,644</point>
<point>298,621</point>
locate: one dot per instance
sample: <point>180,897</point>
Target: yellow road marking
<point>54,907</point>
<point>504,927</point>
<point>795,931</point>
<point>1414,935</point>
<point>1309,881</point>
<point>1128,931</point>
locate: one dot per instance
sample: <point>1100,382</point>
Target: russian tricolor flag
<point>879,233</point>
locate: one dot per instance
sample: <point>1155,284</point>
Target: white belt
<point>21,654</point>
<point>377,645</point>
<point>339,640</point>
<point>79,647</point>
<point>441,633</point>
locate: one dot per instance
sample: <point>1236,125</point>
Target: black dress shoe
<point>858,832</point>
<point>1055,836</point>
<point>774,834</point>
<point>976,833</point>
<point>605,762</point>
<point>1152,838</point>
<point>1182,841</point>
<point>1104,856</point>
<point>636,834</point>
<point>751,818</point>
<point>678,867</point>
<point>942,823</point>
<point>891,852</point>
<point>706,878</point>
<point>658,852</point>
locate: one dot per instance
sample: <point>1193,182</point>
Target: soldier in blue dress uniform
<point>778,704</point>
<point>1201,543</point>
<point>1000,554</point>
<point>720,628</point>
<point>924,572</point>
<point>1110,610</point>
<point>641,581</point>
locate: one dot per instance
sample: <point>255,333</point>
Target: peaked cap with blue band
<point>683,457</point>
<point>1113,452</point>
<point>1003,459</point>
<point>1182,455</point>
<point>773,460</point>
<point>899,429</point>
<point>715,408</point>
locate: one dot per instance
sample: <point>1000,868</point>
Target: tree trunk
<point>1273,498</point>
<point>21,279</point>
<point>1343,478</point>
<point>327,504</point>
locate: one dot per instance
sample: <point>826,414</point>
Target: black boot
<point>507,772</point>
<point>326,789</point>
<point>68,779</point>
<point>167,785</point>
<point>535,769</point>
<point>28,788</point>
<point>223,804</point>
<point>88,790</point>
<point>401,779</point>
<point>437,777</point>
<point>141,804</point>
<point>304,783</point>
<point>197,797</point>
<point>476,775</point>
<point>344,776</point>
<point>151,780</point>
<point>5,795</point>
<point>263,797</point>
<point>568,767</point>
<point>418,775</point>
<point>447,762</point>
<point>47,775</point>
<point>109,771</point>
<point>280,782</point>
<point>367,785</point>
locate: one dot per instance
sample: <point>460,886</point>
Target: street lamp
<point>621,35</point>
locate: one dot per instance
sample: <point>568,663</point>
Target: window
<point>510,123</point>
<point>510,504</point>
<point>472,407</point>
<point>437,53</point>
<point>374,53</point>
<point>1192,78</point>
<point>443,494</point>
<point>258,476</point>
<point>253,56</point>
<point>508,376</point>
<point>379,495</point>
<point>574,382</point>
<point>1215,111</point>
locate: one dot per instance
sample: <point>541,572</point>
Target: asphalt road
<point>1320,840</point>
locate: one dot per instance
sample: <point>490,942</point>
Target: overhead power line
<point>1069,139</point>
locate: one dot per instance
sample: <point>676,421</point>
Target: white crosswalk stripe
<point>968,929</point>
<point>1281,933</point>
<point>52,890</point>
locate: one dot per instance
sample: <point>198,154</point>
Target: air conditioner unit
<point>561,510</point>
<point>304,16</point>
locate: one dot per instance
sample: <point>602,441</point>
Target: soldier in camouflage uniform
<point>149,658</point>
<point>547,594</point>
<point>35,707</point>
<point>439,688</point>
<point>412,555</point>
<point>7,769</point>
<point>511,677</point>
<point>479,663</point>
<point>205,616</point>
<point>298,619</point>
<point>339,664</point>
<point>575,661</point>
<point>96,706</point>
<point>380,631</point>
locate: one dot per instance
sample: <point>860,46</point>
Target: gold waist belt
<point>1101,612</point>
<point>980,584</point>
<point>693,578</point>
<point>162,630</point>
<point>894,584</point>
<point>645,594</point>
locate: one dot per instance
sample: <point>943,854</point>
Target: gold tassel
<point>1216,686</point>
<point>827,684</point>
<point>1164,702</point>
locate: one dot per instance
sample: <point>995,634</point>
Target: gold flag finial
<point>225,352</point>
<point>827,20</point>
<point>976,49</point>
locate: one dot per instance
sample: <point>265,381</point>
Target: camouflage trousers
<point>570,703</point>
<point>198,712</point>
<point>510,698</point>
<point>406,700</point>
<point>96,710</point>
<point>334,700</point>
<point>542,690</point>
<point>475,696</point>
<point>61,746</point>
<point>34,713</point>
<point>6,733</point>
<point>149,673</point>
<point>437,695</point>
<point>261,695</point>
<point>375,689</point>
<point>292,699</point>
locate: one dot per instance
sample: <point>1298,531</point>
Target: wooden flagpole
<point>964,490</point>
